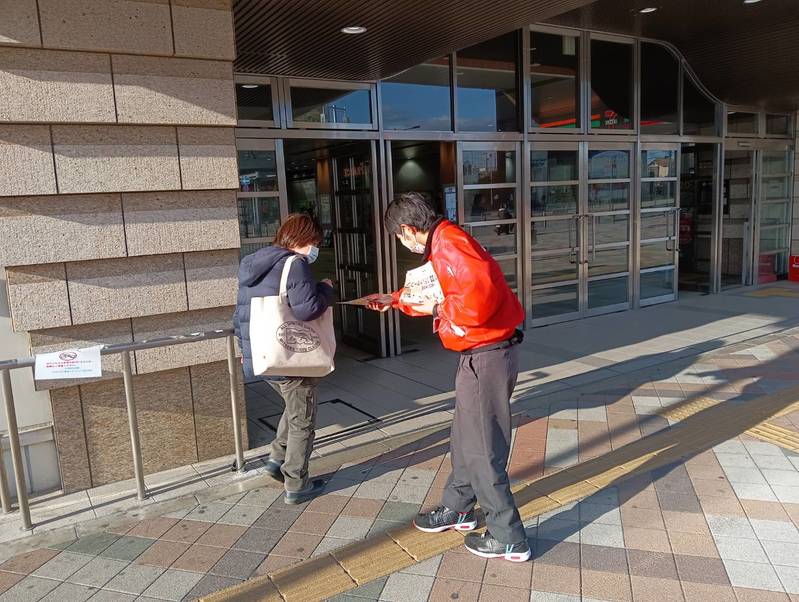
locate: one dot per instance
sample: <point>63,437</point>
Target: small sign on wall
<point>70,363</point>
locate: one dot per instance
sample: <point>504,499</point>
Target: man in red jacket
<point>478,317</point>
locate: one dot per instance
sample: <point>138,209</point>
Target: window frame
<point>275,122</point>
<point>294,82</point>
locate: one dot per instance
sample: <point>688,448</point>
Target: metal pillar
<point>16,450</point>
<point>133,424</point>
<point>233,371</point>
<point>5,498</point>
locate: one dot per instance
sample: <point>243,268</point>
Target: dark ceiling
<point>744,54</point>
<point>303,37</point>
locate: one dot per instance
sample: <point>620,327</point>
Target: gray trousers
<point>295,433</point>
<point>480,441</point>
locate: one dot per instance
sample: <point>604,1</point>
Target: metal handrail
<point>127,374</point>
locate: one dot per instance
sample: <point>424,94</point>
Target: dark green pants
<point>295,433</point>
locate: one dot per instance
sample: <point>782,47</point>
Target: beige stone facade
<point>118,216</point>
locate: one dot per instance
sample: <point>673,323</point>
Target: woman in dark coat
<point>259,276</point>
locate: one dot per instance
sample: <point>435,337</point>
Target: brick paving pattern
<point>722,524</point>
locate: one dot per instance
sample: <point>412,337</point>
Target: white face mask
<point>313,254</point>
<point>413,245</point>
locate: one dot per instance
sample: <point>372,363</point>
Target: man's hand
<point>425,308</point>
<point>378,302</point>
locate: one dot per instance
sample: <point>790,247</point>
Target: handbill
<point>70,363</point>
<point>421,286</point>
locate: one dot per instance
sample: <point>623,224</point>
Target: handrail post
<point>233,371</point>
<point>5,497</point>
<point>133,424</point>
<point>16,451</point>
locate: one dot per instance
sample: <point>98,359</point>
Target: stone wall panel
<point>204,28</point>
<point>26,150</point>
<point>37,296</point>
<point>174,91</point>
<point>208,158</point>
<point>52,86</point>
<point>212,414</point>
<point>47,229</point>
<point>115,158</point>
<point>212,278</point>
<point>126,288</point>
<point>20,23</point>
<point>166,425</point>
<point>171,222</point>
<point>166,358</point>
<point>70,439</point>
<point>130,26</point>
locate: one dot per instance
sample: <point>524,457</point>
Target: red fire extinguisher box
<point>793,268</point>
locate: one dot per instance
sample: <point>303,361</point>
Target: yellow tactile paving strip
<point>702,424</point>
<point>774,292</point>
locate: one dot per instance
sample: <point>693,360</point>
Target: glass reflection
<point>554,200</point>
<point>488,205</point>
<point>551,235</point>
<point>419,98</point>
<point>489,167</point>
<point>549,270</point>
<point>657,254</point>
<point>699,112</point>
<point>658,194</point>
<point>609,197</point>
<point>660,77</point>
<point>608,292</point>
<point>325,105</point>
<point>741,123</point>
<point>611,85</point>
<point>659,164</point>
<point>553,80</point>
<point>555,301</point>
<point>257,171</point>
<point>657,284</point>
<point>259,217</point>
<point>487,94</point>
<point>608,164</point>
<point>254,102</point>
<point>554,166</point>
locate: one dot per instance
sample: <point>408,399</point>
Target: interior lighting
<point>646,11</point>
<point>751,1</point>
<point>353,29</point>
<point>249,86</point>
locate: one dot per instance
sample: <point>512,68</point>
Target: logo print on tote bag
<point>297,337</point>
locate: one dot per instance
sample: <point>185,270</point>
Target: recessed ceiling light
<point>650,9</point>
<point>751,1</point>
<point>353,29</point>
<point>249,86</point>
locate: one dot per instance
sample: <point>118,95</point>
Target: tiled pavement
<point>722,524</point>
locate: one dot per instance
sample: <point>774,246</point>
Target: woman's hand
<point>378,302</point>
<point>328,281</point>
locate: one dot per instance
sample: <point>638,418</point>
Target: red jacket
<point>479,308</point>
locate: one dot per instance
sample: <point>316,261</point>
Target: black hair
<point>409,209</point>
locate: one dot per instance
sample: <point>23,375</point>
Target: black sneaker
<point>272,468</point>
<point>304,495</point>
<point>486,546</point>
<point>442,518</point>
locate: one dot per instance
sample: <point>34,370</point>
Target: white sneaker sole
<point>514,557</point>
<point>470,526</point>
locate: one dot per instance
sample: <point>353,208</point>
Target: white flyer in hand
<point>421,285</point>
<point>70,363</point>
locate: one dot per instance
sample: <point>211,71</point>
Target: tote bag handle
<point>284,277</point>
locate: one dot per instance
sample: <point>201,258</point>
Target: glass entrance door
<point>737,218</point>
<point>580,208</point>
<point>659,225</point>
<point>334,182</point>
<point>606,228</point>
<point>698,168</point>
<point>555,241</point>
<point>489,195</point>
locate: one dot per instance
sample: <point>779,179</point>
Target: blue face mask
<point>313,254</point>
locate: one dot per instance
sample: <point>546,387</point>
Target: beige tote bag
<point>284,346</point>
